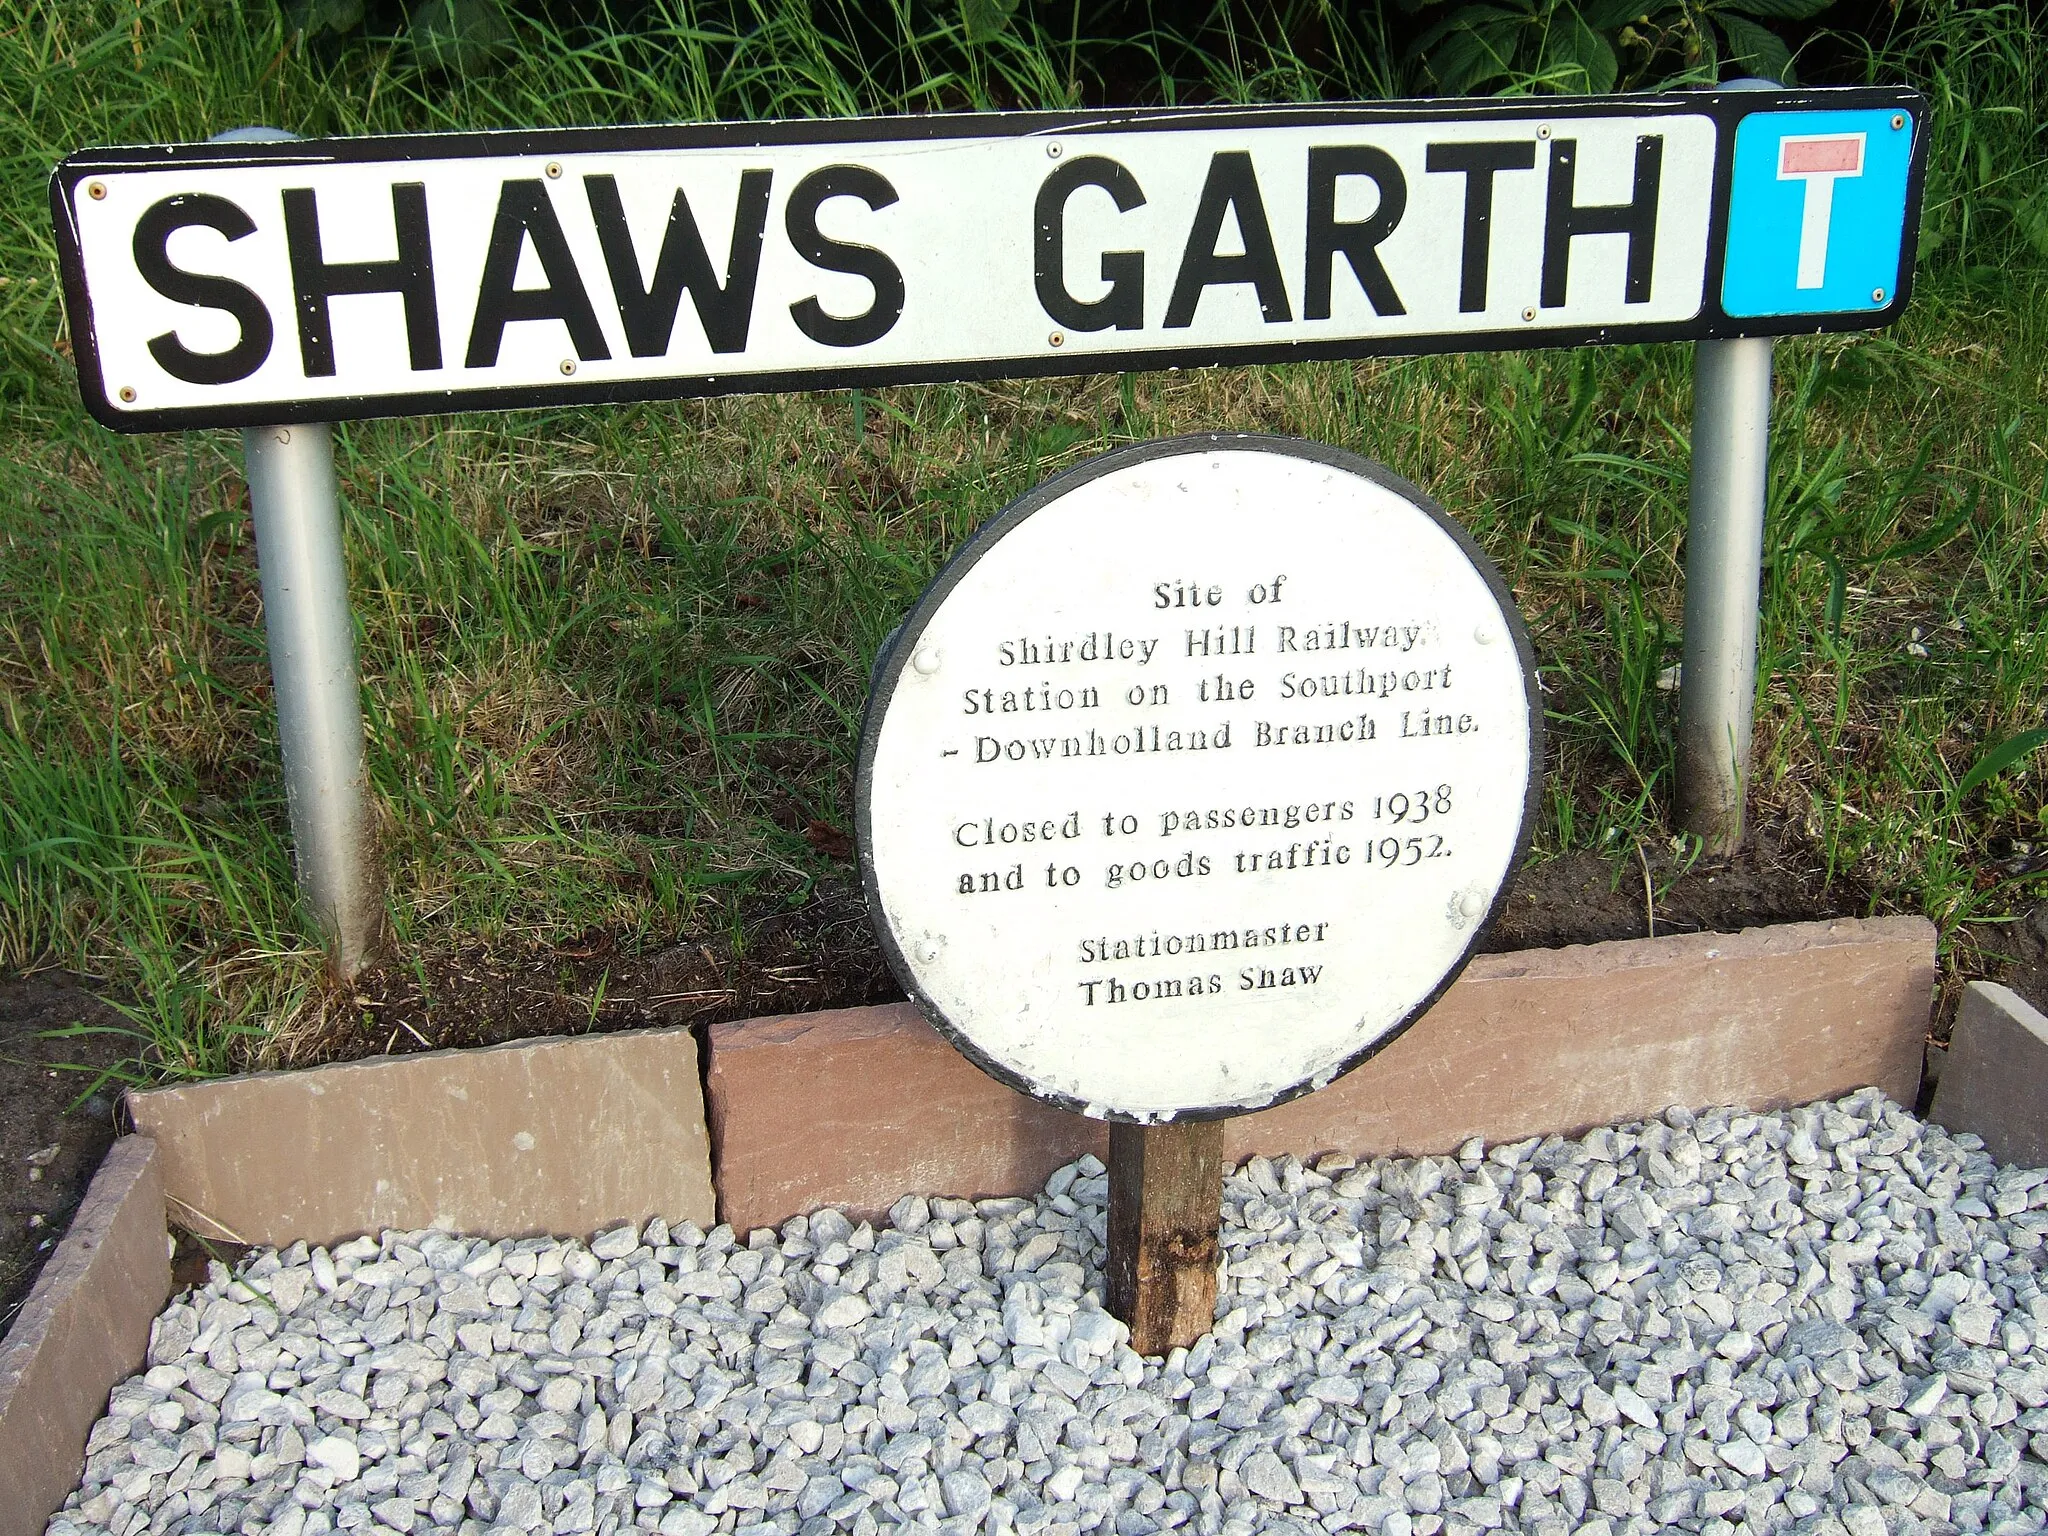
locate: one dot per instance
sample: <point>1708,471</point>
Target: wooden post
<point>1165,1212</point>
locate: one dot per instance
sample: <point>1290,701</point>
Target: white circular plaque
<point>1194,776</point>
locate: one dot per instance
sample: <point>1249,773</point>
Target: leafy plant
<point>456,37</point>
<point>322,18</point>
<point>462,37</point>
<point>982,20</point>
<point>1594,46</point>
<point>1999,758</point>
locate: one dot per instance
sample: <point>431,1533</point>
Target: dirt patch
<point>774,959</point>
<point>1586,898</point>
<point>822,954</point>
<point>54,1125</point>
<point>2014,954</point>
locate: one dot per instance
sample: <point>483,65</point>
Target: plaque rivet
<point>1483,635</point>
<point>96,191</point>
<point>1898,120</point>
<point>554,170</point>
<point>1529,313</point>
<point>1543,130</point>
<point>928,950</point>
<point>1877,295</point>
<point>1472,904</point>
<point>1058,338</point>
<point>128,394</point>
<point>926,660</point>
<point>1054,150</point>
<point>568,366</point>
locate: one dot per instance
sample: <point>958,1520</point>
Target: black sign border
<point>902,645</point>
<point>1726,107</point>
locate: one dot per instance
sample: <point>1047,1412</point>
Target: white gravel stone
<point>561,1394</point>
<point>1267,1476</point>
<point>841,1309</point>
<point>1828,1322</point>
<point>339,1455</point>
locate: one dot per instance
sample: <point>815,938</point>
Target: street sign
<point>246,284</point>
<point>1193,778</point>
<point>1819,203</point>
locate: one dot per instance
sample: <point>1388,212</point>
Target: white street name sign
<point>242,284</point>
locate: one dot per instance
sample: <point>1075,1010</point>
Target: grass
<point>613,659</point>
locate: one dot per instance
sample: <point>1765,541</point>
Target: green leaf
<point>985,20</point>
<point>1838,594</point>
<point>316,18</point>
<point>1934,230</point>
<point>1606,15</point>
<point>1933,538</point>
<point>1708,65</point>
<point>1756,50</point>
<point>2031,215</point>
<point>462,37</point>
<point>1774,10</point>
<point>1578,46</point>
<point>1475,46</point>
<point>2000,758</point>
<point>1461,22</point>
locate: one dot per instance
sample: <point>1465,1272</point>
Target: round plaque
<point>1193,778</point>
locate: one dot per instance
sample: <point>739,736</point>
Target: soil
<point>820,954</point>
<point>56,1118</point>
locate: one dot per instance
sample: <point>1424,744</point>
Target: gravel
<point>1827,1320</point>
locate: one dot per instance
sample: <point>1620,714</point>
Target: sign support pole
<point>1165,1226</point>
<point>1724,557</point>
<point>296,507</point>
<point>1724,545</point>
<point>295,504</point>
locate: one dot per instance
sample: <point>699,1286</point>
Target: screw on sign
<point>1188,784</point>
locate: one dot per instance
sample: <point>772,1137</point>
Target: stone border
<point>1995,1080</point>
<point>84,1327</point>
<point>859,1106</point>
<point>567,1134</point>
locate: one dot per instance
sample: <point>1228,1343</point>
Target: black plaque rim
<point>902,644</point>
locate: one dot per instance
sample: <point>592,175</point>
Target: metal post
<point>1724,552</point>
<point>1724,546</point>
<point>295,503</point>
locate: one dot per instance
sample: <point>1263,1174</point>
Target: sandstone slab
<point>1995,1081</point>
<point>556,1135</point>
<point>84,1327</point>
<point>1560,1040</point>
<point>859,1106</point>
